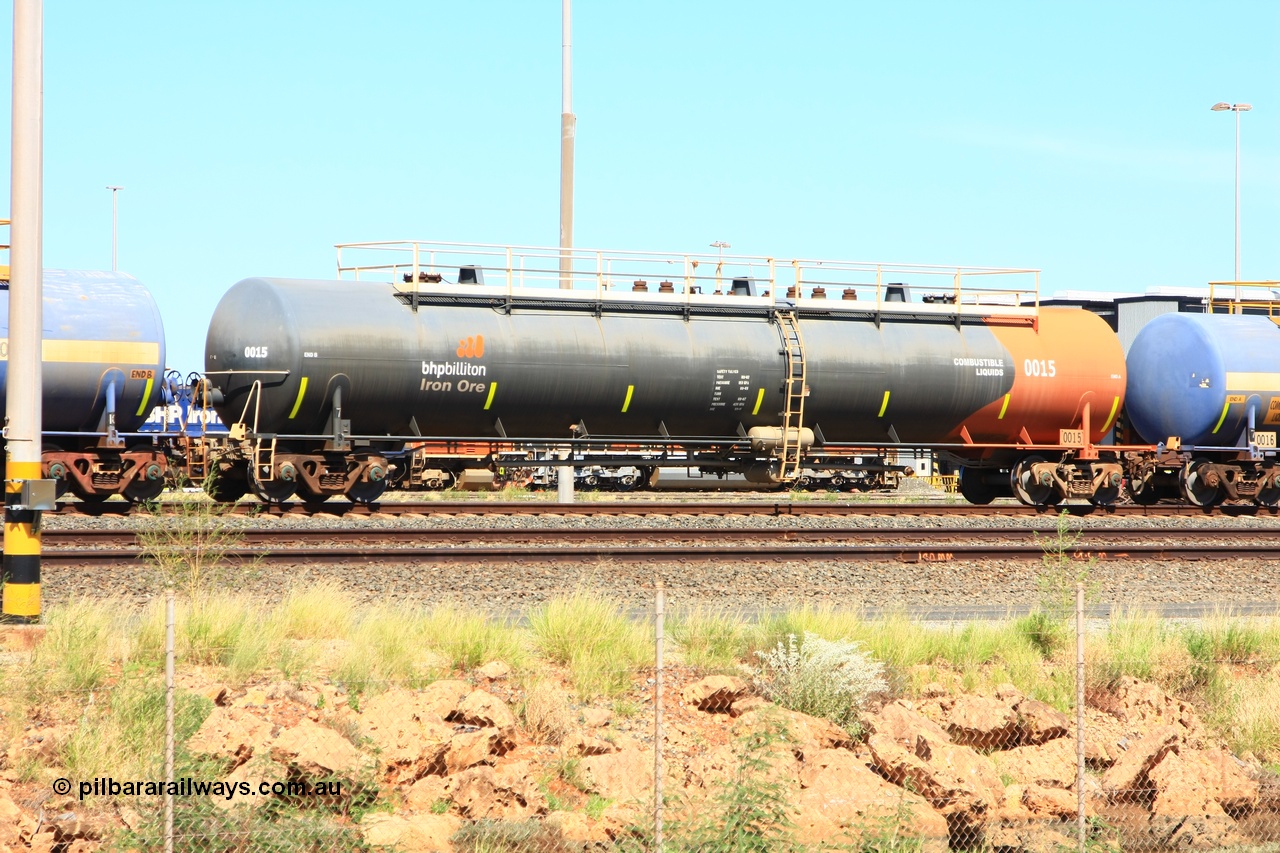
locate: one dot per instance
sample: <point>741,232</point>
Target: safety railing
<point>425,267</point>
<point>1245,297</point>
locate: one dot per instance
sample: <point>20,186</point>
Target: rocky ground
<point>432,765</point>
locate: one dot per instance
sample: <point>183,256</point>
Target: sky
<point>250,137</point>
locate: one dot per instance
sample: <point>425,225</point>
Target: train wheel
<point>1027,489</point>
<point>1105,497</point>
<point>226,483</point>
<point>367,491</point>
<point>973,489</point>
<point>1269,498</point>
<point>1195,487</point>
<point>144,490</point>
<point>57,471</point>
<point>272,491</point>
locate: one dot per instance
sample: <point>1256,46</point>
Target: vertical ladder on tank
<point>197,454</point>
<point>793,396</point>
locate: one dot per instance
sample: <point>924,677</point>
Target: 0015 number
<point>1039,367</point>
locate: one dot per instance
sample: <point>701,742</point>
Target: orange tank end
<point>1072,361</point>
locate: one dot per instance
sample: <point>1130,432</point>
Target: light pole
<point>1223,106</point>
<point>115,191</point>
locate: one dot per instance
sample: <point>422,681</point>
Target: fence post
<point>657,722</point>
<point>1080,827</point>
<point>168,720</point>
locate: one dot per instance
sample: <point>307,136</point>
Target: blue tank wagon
<point>1206,388</point>
<point>103,364</point>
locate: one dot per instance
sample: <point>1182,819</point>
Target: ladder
<point>794,391</point>
<point>197,454</point>
<point>264,459</point>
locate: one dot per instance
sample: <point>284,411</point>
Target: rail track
<point>461,546</point>
<point>743,507</point>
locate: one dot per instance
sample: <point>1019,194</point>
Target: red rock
<point>715,693</point>
<point>318,752</point>
<point>230,733</point>
<point>494,670</point>
<point>483,793</point>
<point>481,708</point>
<point>426,833</point>
<point>1039,722</point>
<point>1051,764</point>
<point>903,723</point>
<point>843,801</point>
<point>411,739</point>
<point>467,749</point>
<point>1127,778</point>
<point>806,734</point>
<point>956,780</point>
<point>1051,802</point>
<point>625,776</point>
<point>442,697</point>
<point>982,722</point>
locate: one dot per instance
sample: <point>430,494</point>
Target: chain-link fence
<point>403,730</point>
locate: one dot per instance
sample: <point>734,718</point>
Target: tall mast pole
<point>20,601</point>
<point>567,125</point>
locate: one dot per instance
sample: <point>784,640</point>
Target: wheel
<point>973,489</point>
<point>1195,487</point>
<point>144,490</point>
<point>57,471</point>
<point>226,482</point>
<point>627,482</point>
<point>274,491</point>
<point>1027,489</point>
<point>149,484</point>
<point>1105,497</point>
<point>367,491</point>
<point>1269,498</point>
<point>1108,495</point>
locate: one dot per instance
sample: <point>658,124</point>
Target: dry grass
<point>546,713</point>
<point>98,659</point>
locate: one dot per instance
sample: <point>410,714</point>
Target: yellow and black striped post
<point>21,597</point>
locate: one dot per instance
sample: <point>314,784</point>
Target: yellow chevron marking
<point>297,404</point>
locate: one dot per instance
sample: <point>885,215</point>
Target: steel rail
<point>411,536</point>
<point>719,507</point>
<point>633,553</point>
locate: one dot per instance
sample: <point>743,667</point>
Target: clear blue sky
<point>252,136</point>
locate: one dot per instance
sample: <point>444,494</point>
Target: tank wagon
<point>1205,390</point>
<point>744,364</point>
<point>103,365</point>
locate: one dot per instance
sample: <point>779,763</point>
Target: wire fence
<point>167,739</point>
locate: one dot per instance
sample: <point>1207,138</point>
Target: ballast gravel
<point>949,589</point>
